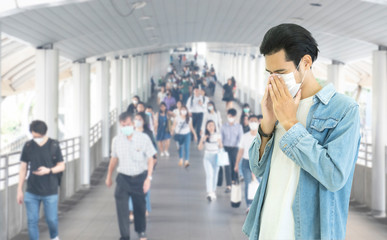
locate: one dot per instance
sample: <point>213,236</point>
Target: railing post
<point>6,173</point>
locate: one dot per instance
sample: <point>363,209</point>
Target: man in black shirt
<point>44,157</point>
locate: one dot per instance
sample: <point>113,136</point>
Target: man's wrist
<point>149,178</point>
<point>289,124</point>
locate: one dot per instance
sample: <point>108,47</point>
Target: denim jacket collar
<point>326,93</point>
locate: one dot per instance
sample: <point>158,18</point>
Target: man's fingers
<point>281,86</point>
<point>274,86</point>
<point>298,97</point>
<point>272,95</point>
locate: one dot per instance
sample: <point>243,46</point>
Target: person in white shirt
<point>243,154</point>
<point>182,129</point>
<point>197,105</point>
<point>212,142</point>
<point>161,95</point>
<point>211,114</point>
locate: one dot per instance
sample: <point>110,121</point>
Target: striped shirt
<point>132,154</point>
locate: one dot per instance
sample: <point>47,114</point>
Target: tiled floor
<point>180,209</point>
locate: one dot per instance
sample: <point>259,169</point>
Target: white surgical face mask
<point>127,130</point>
<point>38,140</point>
<point>210,108</point>
<point>253,126</point>
<point>291,83</point>
<point>230,119</point>
<point>135,102</point>
<point>184,112</point>
<point>137,123</point>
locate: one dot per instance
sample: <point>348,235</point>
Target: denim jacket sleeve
<point>330,163</point>
<point>257,165</point>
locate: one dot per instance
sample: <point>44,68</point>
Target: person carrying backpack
<point>44,157</point>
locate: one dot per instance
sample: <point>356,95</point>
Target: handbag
<point>236,195</point>
<point>222,158</point>
<point>252,189</point>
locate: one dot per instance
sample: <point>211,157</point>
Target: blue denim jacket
<point>326,151</point>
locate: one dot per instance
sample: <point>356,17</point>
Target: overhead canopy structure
<point>346,30</point>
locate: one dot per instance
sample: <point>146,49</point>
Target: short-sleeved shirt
<point>186,85</point>
<point>245,143</point>
<point>182,127</point>
<point>212,145</point>
<point>161,96</point>
<point>132,154</point>
<point>37,156</point>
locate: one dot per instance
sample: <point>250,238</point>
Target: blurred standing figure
<point>163,132</point>
<point>228,92</point>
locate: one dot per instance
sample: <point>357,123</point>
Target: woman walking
<point>212,142</point>
<point>163,133</point>
<point>228,92</point>
<point>211,114</point>
<point>182,128</point>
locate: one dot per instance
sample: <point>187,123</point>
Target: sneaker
<point>142,236</point>
<point>162,154</point>
<point>166,153</point>
<point>181,162</point>
<point>228,190</point>
<point>186,164</point>
<point>213,196</point>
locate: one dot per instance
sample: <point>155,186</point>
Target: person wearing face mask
<point>231,134</point>
<point>133,152</point>
<point>44,157</point>
<point>306,147</point>
<point>141,126</point>
<point>182,129</point>
<point>169,100</point>
<point>243,154</point>
<point>176,93</point>
<point>211,114</point>
<point>244,121</point>
<point>197,106</point>
<point>132,108</point>
<point>185,87</point>
<point>161,95</point>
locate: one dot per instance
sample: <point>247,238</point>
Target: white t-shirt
<point>161,96</point>
<point>245,144</point>
<point>214,117</point>
<point>277,215</point>
<point>182,127</point>
<point>195,107</point>
<point>212,146</point>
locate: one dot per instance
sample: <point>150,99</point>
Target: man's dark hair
<point>232,112</point>
<point>38,126</point>
<point>125,115</point>
<point>260,116</point>
<point>137,97</point>
<point>254,116</point>
<point>149,107</point>
<point>295,40</point>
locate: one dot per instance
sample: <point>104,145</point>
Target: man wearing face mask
<point>44,157</point>
<point>243,154</point>
<point>133,152</point>
<point>308,158</point>
<point>132,108</point>
<point>231,135</point>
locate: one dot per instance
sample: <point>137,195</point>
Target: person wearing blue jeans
<point>182,128</point>
<point>44,156</point>
<point>243,154</point>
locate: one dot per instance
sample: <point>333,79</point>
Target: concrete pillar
<point>103,79</point>
<point>46,88</point>
<point>261,82</point>
<point>379,87</point>
<point>145,76</point>
<point>335,75</point>
<point>117,79</point>
<point>134,76</point>
<point>81,108</point>
<point>126,85</point>
<point>140,77</point>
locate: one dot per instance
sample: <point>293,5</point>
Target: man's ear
<point>306,62</point>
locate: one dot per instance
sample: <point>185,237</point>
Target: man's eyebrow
<point>278,70</point>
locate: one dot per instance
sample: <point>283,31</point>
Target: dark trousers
<point>227,173</point>
<point>232,155</point>
<point>197,119</point>
<point>133,187</point>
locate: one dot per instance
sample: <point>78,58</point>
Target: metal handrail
<point>95,133</point>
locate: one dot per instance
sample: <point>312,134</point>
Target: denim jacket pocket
<point>321,127</point>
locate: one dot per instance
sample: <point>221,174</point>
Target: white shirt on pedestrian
<point>277,215</point>
<point>182,127</point>
<point>245,144</point>
<point>194,106</point>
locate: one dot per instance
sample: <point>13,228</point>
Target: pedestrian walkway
<point>179,208</point>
